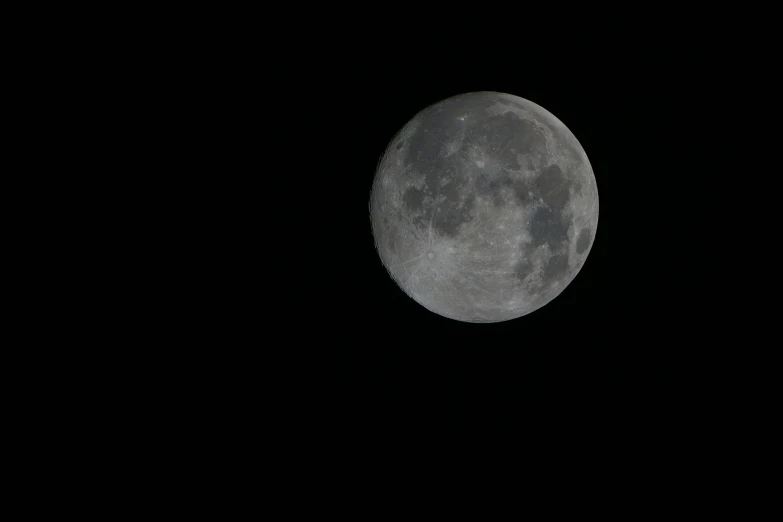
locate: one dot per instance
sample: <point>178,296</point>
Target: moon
<point>484,207</point>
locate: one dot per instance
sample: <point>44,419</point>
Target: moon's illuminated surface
<point>484,207</point>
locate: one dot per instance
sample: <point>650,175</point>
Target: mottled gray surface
<point>484,207</point>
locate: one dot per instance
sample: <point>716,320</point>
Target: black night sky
<point>283,288</point>
<point>291,192</point>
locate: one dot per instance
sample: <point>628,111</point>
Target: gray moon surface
<point>484,207</point>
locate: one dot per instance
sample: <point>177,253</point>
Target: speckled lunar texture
<point>484,207</point>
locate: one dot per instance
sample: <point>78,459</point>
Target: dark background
<point>291,284</point>
<point>244,320</point>
<point>282,289</point>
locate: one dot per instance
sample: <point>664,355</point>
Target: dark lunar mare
<point>583,241</point>
<point>500,136</point>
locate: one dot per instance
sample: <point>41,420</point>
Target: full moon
<point>484,207</point>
